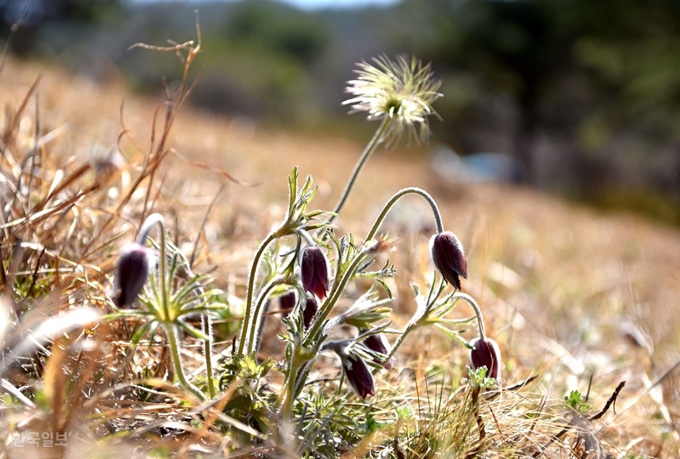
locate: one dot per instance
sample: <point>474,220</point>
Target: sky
<point>320,4</point>
<point>309,5</point>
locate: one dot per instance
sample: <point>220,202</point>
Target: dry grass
<point>578,299</point>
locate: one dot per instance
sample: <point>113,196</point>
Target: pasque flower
<point>314,271</point>
<point>132,271</point>
<point>311,308</point>
<point>401,90</point>
<point>378,343</point>
<point>449,257</point>
<point>287,301</point>
<point>485,353</point>
<point>359,375</point>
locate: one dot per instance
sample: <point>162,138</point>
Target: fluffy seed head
<point>402,90</point>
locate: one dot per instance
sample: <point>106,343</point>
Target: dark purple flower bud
<point>359,376</point>
<point>132,271</point>
<point>314,271</point>
<point>287,301</point>
<point>485,353</point>
<point>378,343</point>
<point>449,257</point>
<point>311,308</point>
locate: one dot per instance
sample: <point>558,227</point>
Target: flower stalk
<point>254,270</point>
<point>152,220</point>
<point>376,140</point>
<point>339,286</point>
<point>399,93</point>
<point>168,315</point>
<point>255,331</point>
<point>172,332</point>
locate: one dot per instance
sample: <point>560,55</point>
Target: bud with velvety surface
<point>311,308</point>
<point>449,257</point>
<point>378,343</point>
<point>132,271</point>
<point>485,353</point>
<point>287,301</point>
<point>359,376</point>
<point>314,271</point>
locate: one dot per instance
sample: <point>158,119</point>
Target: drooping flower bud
<point>378,343</point>
<point>132,271</point>
<point>287,301</point>
<point>485,353</point>
<point>314,271</point>
<point>359,375</point>
<point>449,257</point>
<point>311,308</point>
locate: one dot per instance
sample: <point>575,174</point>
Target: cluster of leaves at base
<point>328,425</point>
<point>252,401</point>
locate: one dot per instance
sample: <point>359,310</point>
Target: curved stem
<point>149,223</point>
<point>414,323</point>
<point>306,236</point>
<point>254,335</point>
<point>338,287</point>
<point>171,331</point>
<point>289,392</point>
<point>151,220</point>
<point>478,312</point>
<point>393,200</point>
<point>368,151</point>
<point>251,287</point>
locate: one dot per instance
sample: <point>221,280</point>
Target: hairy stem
<point>254,335</point>
<point>151,221</point>
<point>368,151</point>
<point>409,328</point>
<point>254,268</point>
<point>478,312</point>
<point>393,200</point>
<point>172,332</point>
<point>338,287</point>
<point>288,391</point>
<point>157,219</point>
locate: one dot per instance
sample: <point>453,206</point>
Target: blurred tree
<point>29,16</point>
<point>271,50</point>
<point>600,78</point>
<point>277,30</point>
<point>630,55</point>
<point>517,47</point>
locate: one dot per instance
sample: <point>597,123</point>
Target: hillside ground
<point>581,299</point>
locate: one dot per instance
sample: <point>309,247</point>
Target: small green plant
<point>577,402</point>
